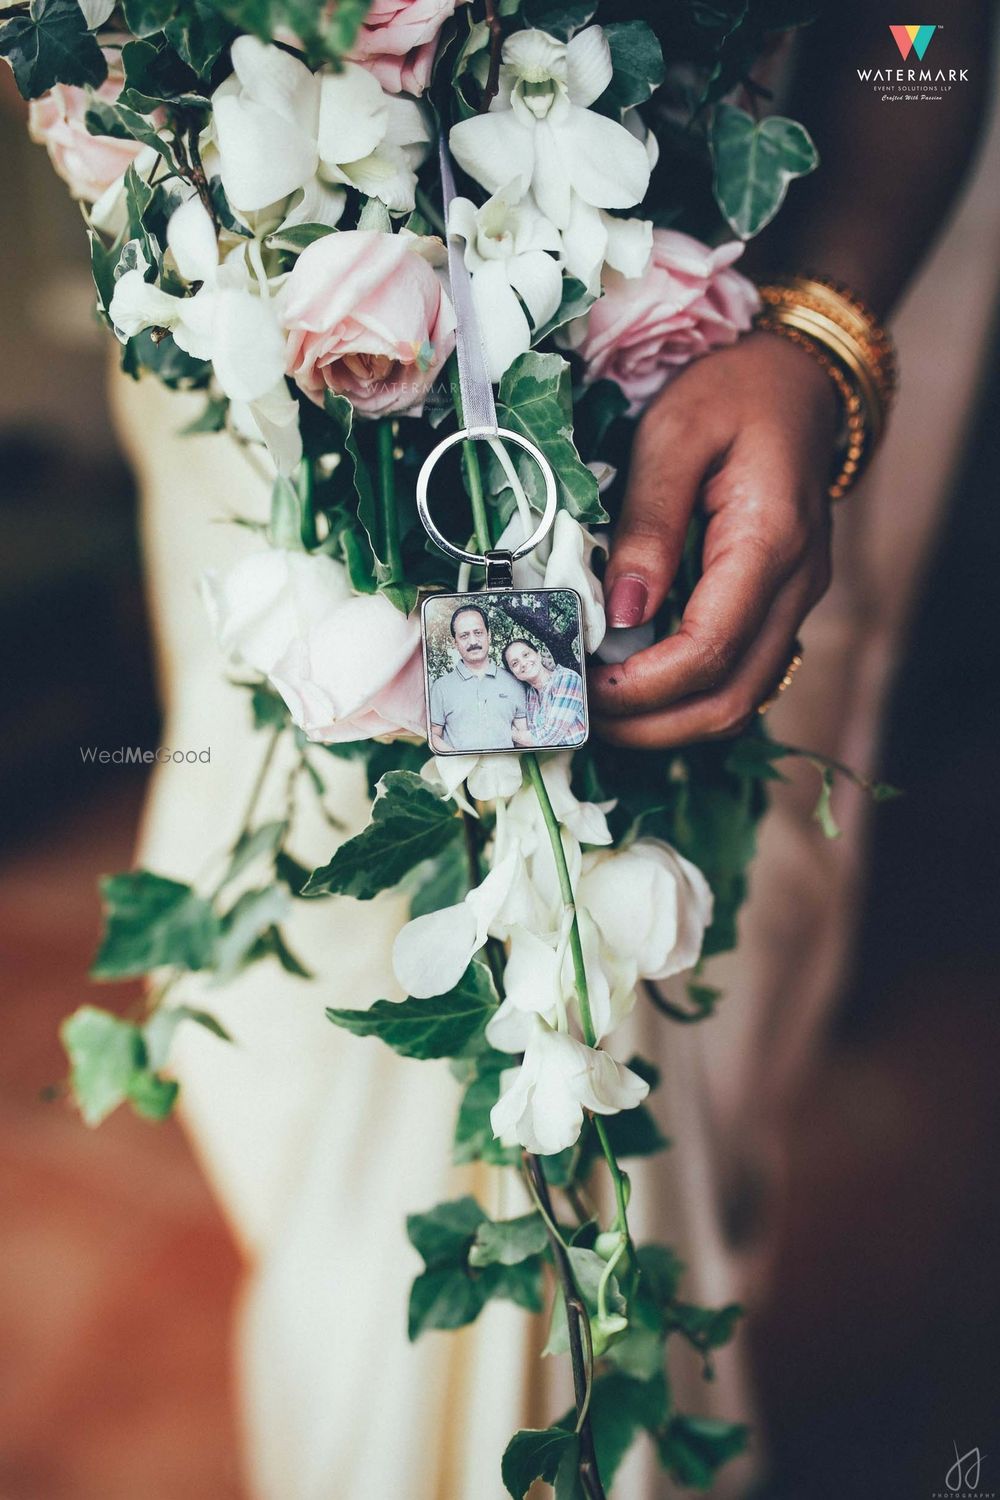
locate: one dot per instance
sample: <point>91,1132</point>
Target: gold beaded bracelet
<point>833,325</point>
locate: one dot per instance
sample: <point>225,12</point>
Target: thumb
<point>670,457</point>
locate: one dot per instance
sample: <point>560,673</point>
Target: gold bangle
<point>840,331</point>
<point>785,681</point>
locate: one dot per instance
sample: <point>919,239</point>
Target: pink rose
<point>646,328</point>
<point>366,317</point>
<point>88,163</point>
<point>398,40</point>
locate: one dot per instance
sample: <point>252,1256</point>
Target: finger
<point>674,448</point>
<point>724,615</point>
<point>728,709</point>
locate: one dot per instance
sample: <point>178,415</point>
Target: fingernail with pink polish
<point>626,602</point>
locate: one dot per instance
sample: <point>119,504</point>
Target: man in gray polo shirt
<point>476,705</point>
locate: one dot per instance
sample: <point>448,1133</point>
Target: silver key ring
<point>505,435</point>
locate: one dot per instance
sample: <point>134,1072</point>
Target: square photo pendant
<point>504,670</point>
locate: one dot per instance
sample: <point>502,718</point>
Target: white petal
<point>352,115</point>
<point>509,1029</point>
<point>387,174</point>
<point>608,167</point>
<point>192,241</point>
<point>317,203</point>
<point>493,776</point>
<point>589,69</point>
<point>551,181</point>
<point>567,568</point>
<point>406,121</point>
<point>276,416</point>
<point>531,977</point>
<point>585,240</point>
<point>96,12</point>
<point>263,156</point>
<point>277,81</point>
<point>137,304</point>
<point>248,350</point>
<point>610,1086</point>
<point>450,770</point>
<point>630,244</point>
<point>501,318</point>
<point>432,952</point>
<point>495,151</point>
<point>537,279</point>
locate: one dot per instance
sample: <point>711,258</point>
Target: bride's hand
<point>750,430</point>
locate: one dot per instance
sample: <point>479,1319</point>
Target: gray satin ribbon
<point>479,412</point>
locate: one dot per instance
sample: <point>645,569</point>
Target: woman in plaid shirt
<point>556,714</point>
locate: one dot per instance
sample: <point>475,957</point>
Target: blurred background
<point>880,1352</point>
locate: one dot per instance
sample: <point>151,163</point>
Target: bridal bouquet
<point>260,187</point>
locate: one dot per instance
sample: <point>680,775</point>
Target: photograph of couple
<point>504,676</point>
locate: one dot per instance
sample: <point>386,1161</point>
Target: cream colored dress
<point>318,1143</point>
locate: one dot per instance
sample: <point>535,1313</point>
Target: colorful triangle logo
<point>916,37</point>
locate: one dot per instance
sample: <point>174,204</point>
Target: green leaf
<point>151,922</point>
<point>158,1032</point>
<point>535,399</point>
<point>198,33</point>
<point>704,1328</point>
<point>637,63</point>
<point>439,1027</point>
<point>536,1453</point>
<point>248,921</point>
<point>144,17</point>
<point>410,823</point>
<point>104,1054</point>
<point>445,884</point>
<point>450,1293</point>
<point>621,1408</point>
<point>152,1096</point>
<point>212,419</point>
<point>269,709</point>
<point>443,1235</point>
<point>123,124</point>
<point>588,1271</point>
<point>754,163</point>
<point>285,527</point>
<point>51,45</point>
<point>474,1140</point>
<point>263,842</point>
<point>507,1242</point>
<point>695,1448</point>
<point>823,811</point>
<point>155,77</point>
<point>560,18</point>
<point>298,237</point>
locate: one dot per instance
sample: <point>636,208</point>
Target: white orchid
<point>231,320</point>
<point>540,136</point>
<point>561,561</point>
<point>280,130</point>
<point>650,905</point>
<point>488,777</point>
<point>432,952</point>
<point>516,284</point>
<point>542,1103</point>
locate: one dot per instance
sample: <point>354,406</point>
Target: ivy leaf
<point>637,61</point>
<point>158,1031</point>
<point>449,1293</point>
<point>695,1448</point>
<point>51,45</point>
<point>151,921</point>
<point>155,76</point>
<point>621,1408</point>
<point>507,1242</point>
<point>445,884</point>
<point>249,921</point>
<point>104,1053</point>
<point>264,841</point>
<point>537,1453</point>
<point>535,399</point>
<point>439,1027</point>
<point>754,163</point>
<point>474,1139</point>
<point>198,33</point>
<point>705,1328</point>
<point>145,17</point>
<point>560,18</point>
<point>588,1270</point>
<point>823,811</point>
<point>123,124</point>
<point>410,823</point>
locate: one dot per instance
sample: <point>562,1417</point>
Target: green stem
<point>473,473</point>
<point>579,974</point>
<point>306,488</point>
<point>430,213</point>
<point>388,515</point>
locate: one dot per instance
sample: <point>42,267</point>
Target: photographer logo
<point>961,1482</point>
